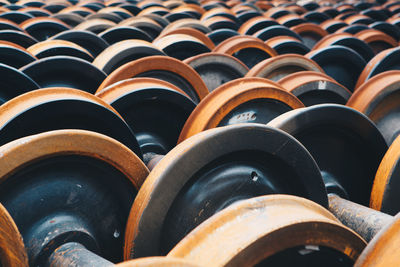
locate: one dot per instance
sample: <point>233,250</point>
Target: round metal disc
<point>147,25</point>
<point>333,25</point>
<point>95,26</point>
<point>218,36</point>
<point>14,56</point>
<point>287,45</point>
<point>119,33</point>
<point>108,16</point>
<point>314,88</point>
<point>62,108</point>
<point>290,20</point>
<point>273,31</point>
<point>123,52</point>
<point>378,99</point>
<point>387,28</point>
<point>384,196</point>
<point>67,173</point>
<point>310,33</point>
<point>346,145</point>
<point>220,22</point>
<point>14,83</point>
<point>88,40</point>
<point>247,49</point>
<point>43,28</point>
<point>384,61</point>
<point>164,68</point>
<point>11,243</point>
<point>181,46</point>
<point>50,48</point>
<point>348,40</point>
<point>275,230</point>
<point>215,69</point>
<point>382,249</point>
<point>71,19</point>
<point>341,63</point>
<point>255,24</point>
<point>9,25</point>
<point>20,38</point>
<point>142,102</point>
<point>65,71</point>
<point>353,29</point>
<point>245,100</point>
<point>15,16</point>
<point>377,40</point>
<point>210,171</point>
<point>192,32</point>
<point>276,68</point>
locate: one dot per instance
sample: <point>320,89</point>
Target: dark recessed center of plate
<point>255,111</point>
<point>233,177</point>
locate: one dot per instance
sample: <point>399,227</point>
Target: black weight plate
<point>346,145</point>
<point>88,40</point>
<point>65,71</point>
<point>13,82</point>
<point>341,63</point>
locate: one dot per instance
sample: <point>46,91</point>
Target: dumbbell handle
<point>151,160</point>
<point>365,221</point>
<point>76,255</point>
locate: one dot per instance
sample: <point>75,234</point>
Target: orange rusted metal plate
<point>108,94</point>
<point>330,39</point>
<point>287,45</point>
<point>216,68</point>
<point>237,43</point>
<point>71,142</point>
<point>33,98</point>
<point>278,67</point>
<point>248,232</point>
<point>192,32</point>
<point>212,110</point>
<point>186,23</point>
<point>54,44</point>
<point>378,40</point>
<point>383,249</point>
<point>378,98</point>
<point>181,46</point>
<point>11,244</point>
<point>155,63</point>
<point>122,52</point>
<point>370,68</point>
<point>252,25</point>
<point>144,235</point>
<point>310,32</point>
<point>157,262</point>
<point>385,186</point>
<point>95,25</point>
<point>306,82</point>
<point>30,22</point>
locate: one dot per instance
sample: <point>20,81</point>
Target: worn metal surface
<point>75,255</point>
<point>276,68</point>
<point>365,221</point>
<point>256,229</point>
<point>164,68</point>
<point>383,249</point>
<point>378,98</point>
<point>249,99</point>
<point>341,140</point>
<point>33,174</point>
<point>12,248</point>
<point>315,88</point>
<point>244,160</point>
